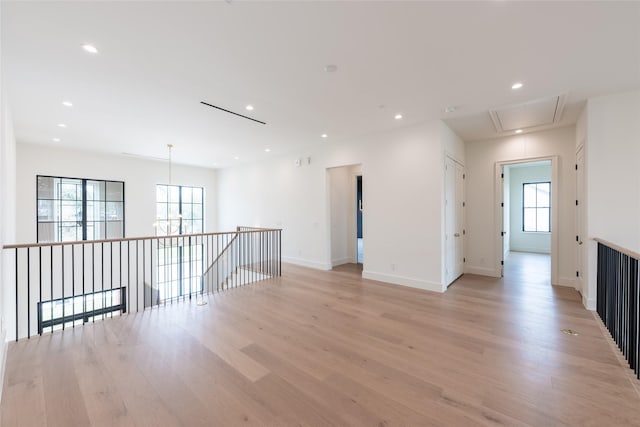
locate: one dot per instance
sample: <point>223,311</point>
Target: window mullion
<point>84,209</point>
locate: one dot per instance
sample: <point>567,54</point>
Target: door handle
<point>456,235</point>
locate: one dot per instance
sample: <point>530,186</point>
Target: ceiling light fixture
<point>398,116</point>
<point>331,68</point>
<point>55,139</point>
<point>519,131</point>
<point>516,85</point>
<point>90,48</point>
<point>324,135</point>
<point>236,158</point>
<point>67,104</point>
<point>450,109</point>
<point>267,150</point>
<point>249,107</point>
<point>62,125</point>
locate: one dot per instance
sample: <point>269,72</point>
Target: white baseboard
<point>341,261</point>
<point>530,250</point>
<point>567,281</point>
<point>589,303</point>
<point>481,271</point>
<point>306,263</point>
<point>3,360</point>
<point>404,281</point>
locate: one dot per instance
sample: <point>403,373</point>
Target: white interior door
<point>454,220</point>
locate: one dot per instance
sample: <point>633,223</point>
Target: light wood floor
<point>329,348</point>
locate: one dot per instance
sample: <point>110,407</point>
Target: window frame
<point>69,319</point>
<point>536,207</point>
<point>83,200</point>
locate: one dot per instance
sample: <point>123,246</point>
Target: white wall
<point>140,177</point>
<point>7,215</point>
<point>519,240</point>
<point>482,157</point>
<point>612,176</point>
<point>342,220</point>
<point>403,223</point>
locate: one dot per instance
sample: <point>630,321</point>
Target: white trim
<point>567,281</point>
<point>3,360</point>
<point>481,271</point>
<point>531,250</point>
<point>404,281</point>
<point>589,303</point>
<point>306,263</point>
<point>341,261</point>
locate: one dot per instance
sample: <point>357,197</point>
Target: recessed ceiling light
<point>267,150</point>
<point>516,85</point>
<point>324,135</point>
<point>236,158</point>
<point>90,48</point>
<point>450,109</point>
<point>331,68</point>
<point>67,104</point>
<point>249,107</point>
<point>62,125</point>
<point>55,139</point>
<point>398,116</point>
<point>519,131</point>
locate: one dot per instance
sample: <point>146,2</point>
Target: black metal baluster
<point>128,274</point>
<point>40,290</point>
<point>144,278</point>
<point>151,274</point>
<point>63,302</point>
<point>28,293</point>
<point>138,276</point>
<point>102,295</point>
<point>73,286</point>
<point>17,275</point>
<point>84,293</point>
<point>93,283</point>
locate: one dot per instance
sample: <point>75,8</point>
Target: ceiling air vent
<point>544,112</point>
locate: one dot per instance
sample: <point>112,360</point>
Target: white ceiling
<point>158,60</point>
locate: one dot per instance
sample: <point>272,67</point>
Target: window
<point>179,210</point>
<point>80,309</point>
<point>536,207</point>
<point>71,209</point>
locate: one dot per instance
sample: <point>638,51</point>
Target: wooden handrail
<point>620,249</point>
<point>128,239</point>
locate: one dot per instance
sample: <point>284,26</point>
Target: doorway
<point>527,217</point>
<point>345,213</point>
<point>359,210</point>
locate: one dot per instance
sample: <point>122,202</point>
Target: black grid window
<point>179,211</point>
<point>72,209</point>
<point>536,207</point>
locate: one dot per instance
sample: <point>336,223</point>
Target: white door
<point>454,220</point>
<point>581,250</point>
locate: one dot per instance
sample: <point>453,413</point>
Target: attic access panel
<point>528,115</point>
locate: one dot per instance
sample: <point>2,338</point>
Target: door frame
<point>355,187</point>
<point>499,212</point>
<point>447,219</point>
<point>580,224</point>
